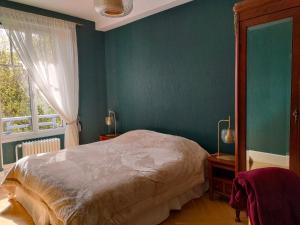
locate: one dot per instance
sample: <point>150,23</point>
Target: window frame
<point>36,132</point>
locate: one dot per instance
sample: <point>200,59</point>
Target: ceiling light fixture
<point>113,8</point>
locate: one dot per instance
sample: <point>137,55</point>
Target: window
<point>25,112</point>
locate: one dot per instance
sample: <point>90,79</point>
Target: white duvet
<point>110,182</point>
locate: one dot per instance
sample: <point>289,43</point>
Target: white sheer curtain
<point>48,50</point>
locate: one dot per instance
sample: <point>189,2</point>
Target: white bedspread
<point>109,182</point>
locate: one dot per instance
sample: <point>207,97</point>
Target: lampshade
<point>108,120</point>
<point>227,136</point>
<point>113,8</point>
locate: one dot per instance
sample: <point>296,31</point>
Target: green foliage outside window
<point>15,92</point>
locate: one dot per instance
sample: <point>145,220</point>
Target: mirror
<point>269,69</point>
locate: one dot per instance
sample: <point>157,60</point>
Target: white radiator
<point>37,147</point>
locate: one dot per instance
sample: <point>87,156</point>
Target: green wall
<point>269,87</point>
<point>92,84</point>
<point>92,91</point>
<point>171,72</point>
<point>174,71</point>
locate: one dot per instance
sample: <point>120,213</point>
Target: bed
<point>134,179</point>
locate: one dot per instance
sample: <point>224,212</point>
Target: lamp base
<point>111,135</point>
<point>226,157</point>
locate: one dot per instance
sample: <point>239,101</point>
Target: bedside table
<point>221,172</point>
<point>104,137</point>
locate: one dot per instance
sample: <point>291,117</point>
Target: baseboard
<point>269,158</point>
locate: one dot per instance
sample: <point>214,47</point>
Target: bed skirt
<point>153,216</point>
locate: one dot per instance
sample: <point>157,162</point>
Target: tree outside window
<point>23,106</point>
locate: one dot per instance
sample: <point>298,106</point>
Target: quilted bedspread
<point>108,182</point>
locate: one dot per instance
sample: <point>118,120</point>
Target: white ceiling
<point>85,9</point>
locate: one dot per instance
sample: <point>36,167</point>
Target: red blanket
<point>271,196</point>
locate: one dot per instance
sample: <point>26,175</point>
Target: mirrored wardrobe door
<point>268,93</point>
<point>267,97</point>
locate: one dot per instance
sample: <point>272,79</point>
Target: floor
<point>205,212</point>
<point>198,212</point>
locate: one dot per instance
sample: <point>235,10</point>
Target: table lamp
<point>227,136</point>
<point>111,120</point>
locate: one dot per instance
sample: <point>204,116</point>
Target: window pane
<point>15,100</point>
<point>4,48</point>
<point>47,117</point>
<point>15,58</point>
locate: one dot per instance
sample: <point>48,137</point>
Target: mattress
<point>110,182</point>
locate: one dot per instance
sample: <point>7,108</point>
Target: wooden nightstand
<point>104,137</point>
<point>221,173</point>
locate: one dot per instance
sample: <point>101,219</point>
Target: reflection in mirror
<point>269,60</point>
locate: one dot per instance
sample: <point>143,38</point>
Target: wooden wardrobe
<point>267,81</point>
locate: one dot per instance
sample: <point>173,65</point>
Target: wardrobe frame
<point>250,13</point>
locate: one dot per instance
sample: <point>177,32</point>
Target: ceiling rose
<point>113,8</point>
